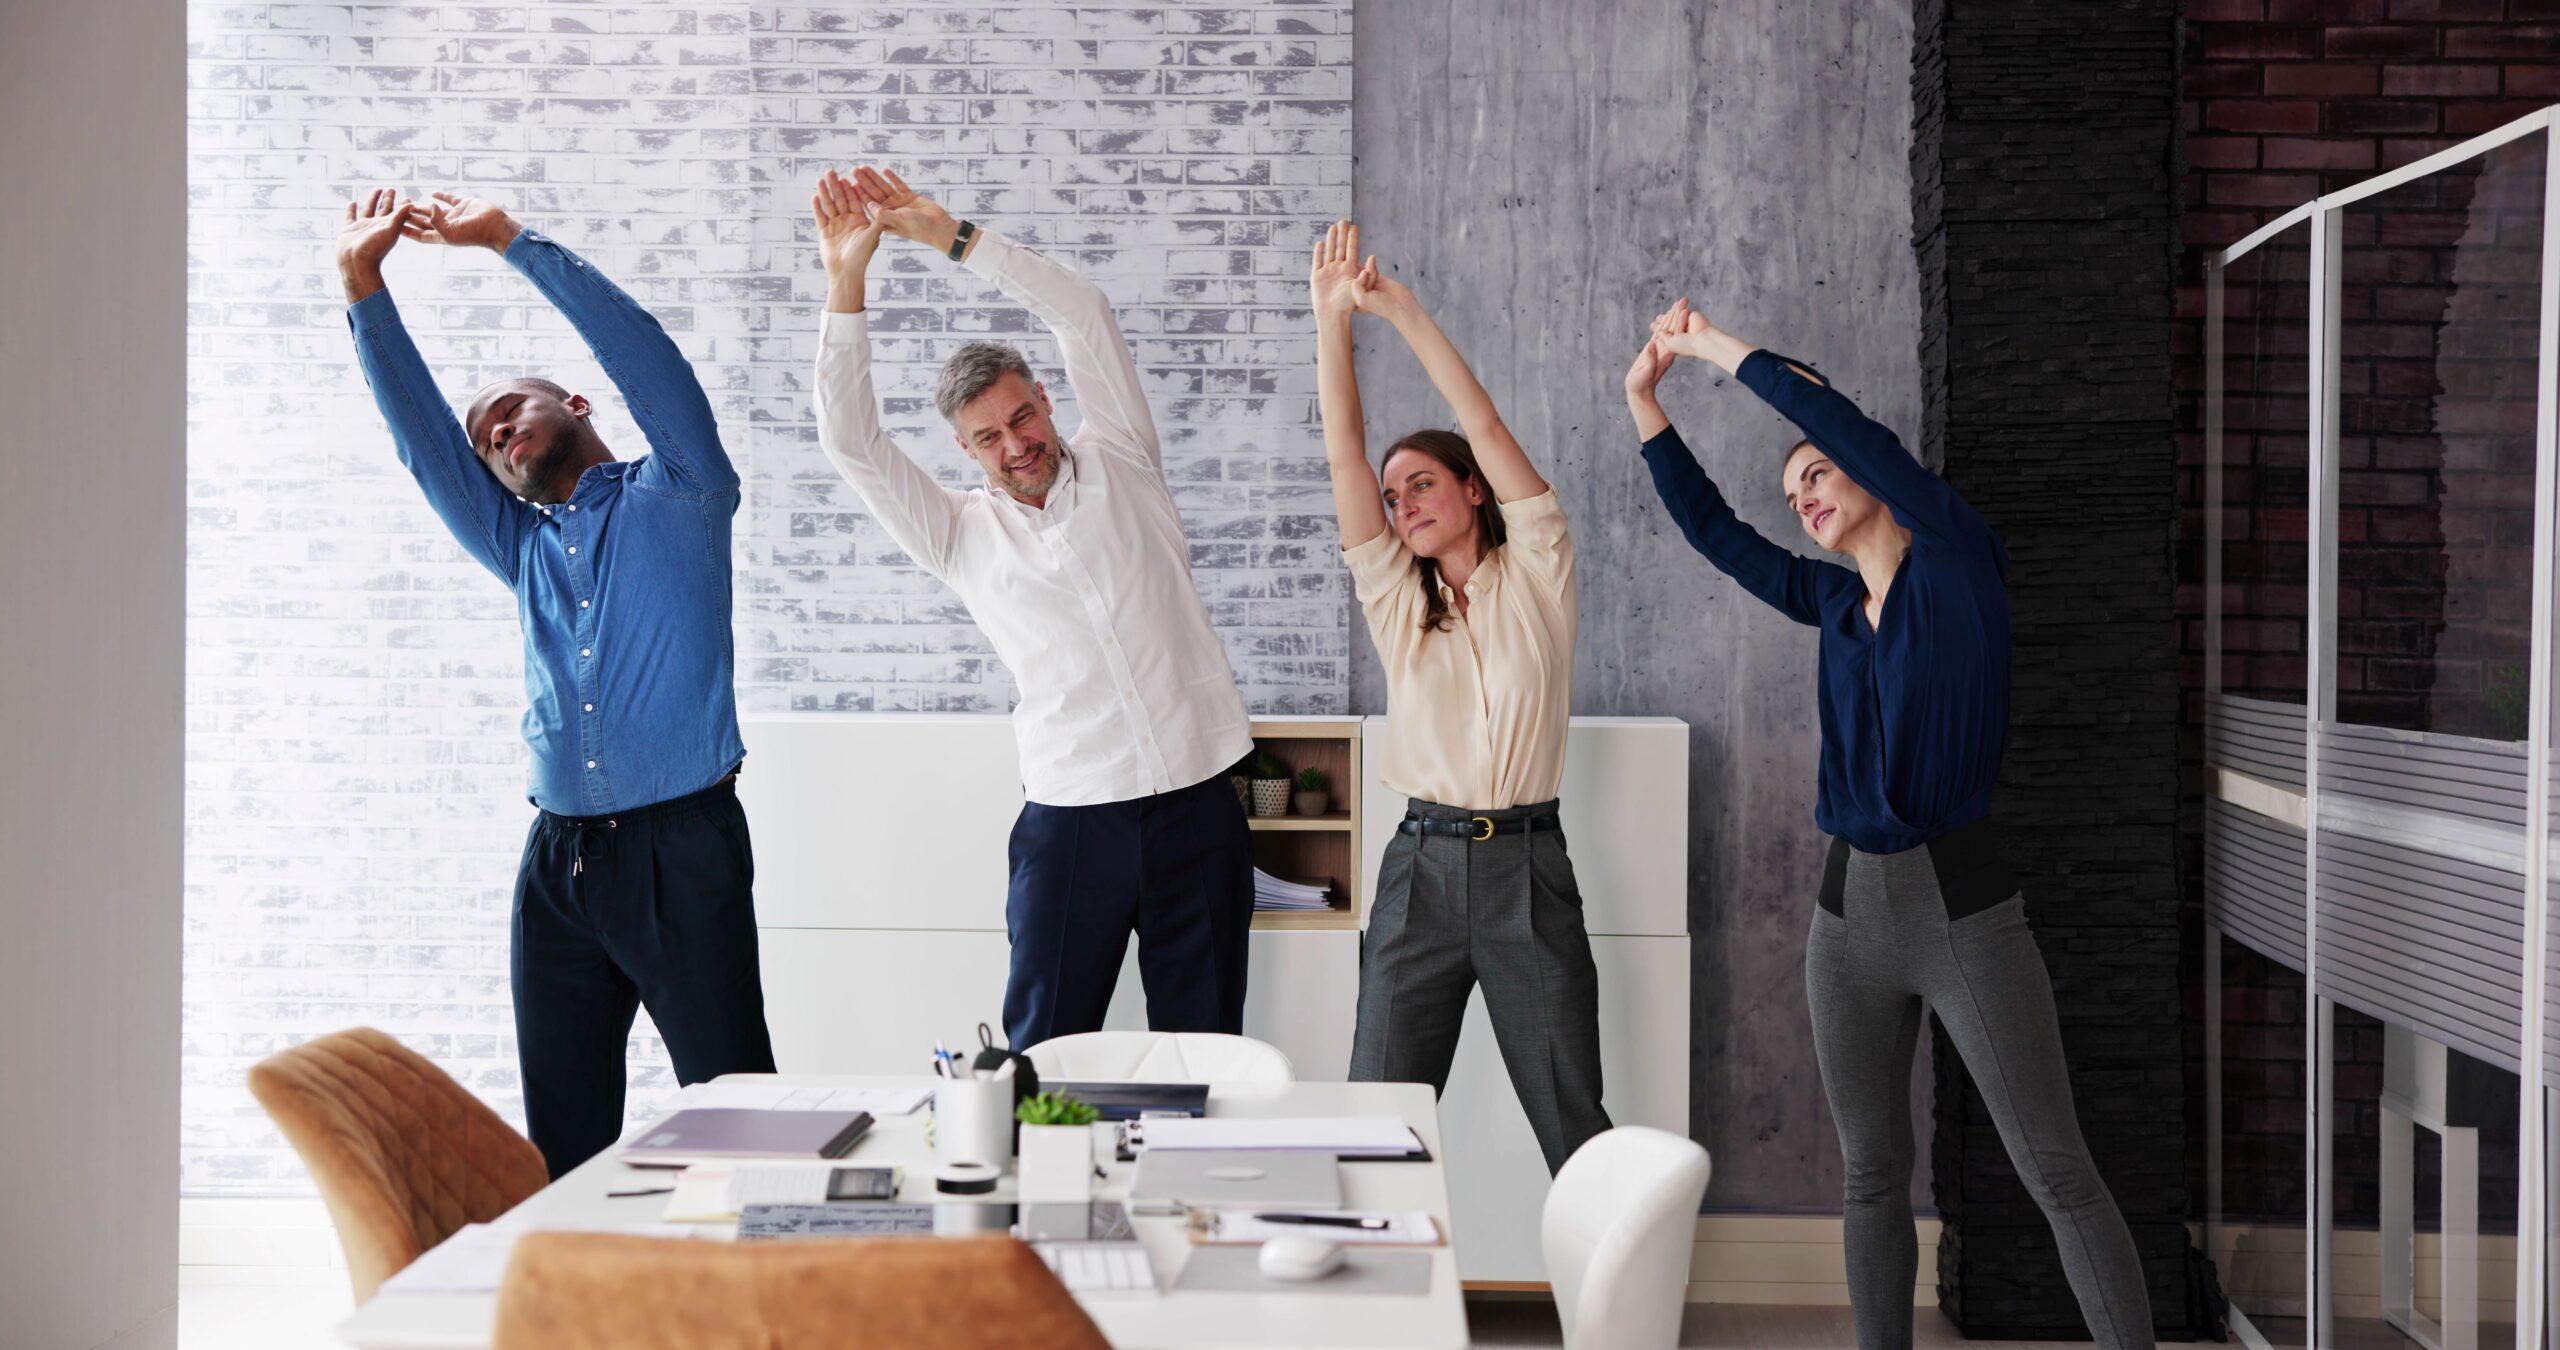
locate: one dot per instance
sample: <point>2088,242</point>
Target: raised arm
<point>1872,456</point>
<point>1506,466</point>
<point>655,380</point>
<point>920,514</point>
<point>1334,294</point>
<point>1794,586</point>
<point>483,517</point>
<point>1109,394</point>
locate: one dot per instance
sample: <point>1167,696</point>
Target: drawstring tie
<point>584,832</point>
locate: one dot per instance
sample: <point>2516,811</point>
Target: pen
<point>648,1190</point>
<point>1326,1221</point>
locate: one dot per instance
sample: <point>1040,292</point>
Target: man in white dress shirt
<point>1072,560</point>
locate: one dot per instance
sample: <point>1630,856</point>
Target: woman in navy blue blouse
<point>1916,906</point>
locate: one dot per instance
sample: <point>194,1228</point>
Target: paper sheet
<point>1239,1270</point>
<point>474,1259</point>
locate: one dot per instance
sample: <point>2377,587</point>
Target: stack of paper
<point>1270,892</point>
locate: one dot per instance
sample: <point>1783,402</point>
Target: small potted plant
<point>1240,777</point>
<point>1056,1151</point>
<point>1270,784</point>
<point>1311,799</point>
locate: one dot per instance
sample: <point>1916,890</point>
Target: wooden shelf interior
<point>1314,848</point>
<point>1330,820</point>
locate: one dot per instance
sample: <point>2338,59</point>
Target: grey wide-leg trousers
<point>1898,930</point>
<point>1453,913</point>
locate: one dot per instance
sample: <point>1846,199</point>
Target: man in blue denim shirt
<point>637,879</point>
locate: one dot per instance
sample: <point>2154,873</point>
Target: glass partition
<point>2257,574</point>
<point>2380,972</point>
<point>2420,792</point>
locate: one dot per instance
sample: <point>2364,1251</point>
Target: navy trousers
<point>655,907</point>
<point>1175,868</point>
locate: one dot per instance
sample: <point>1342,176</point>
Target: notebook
<point>720,1133</point>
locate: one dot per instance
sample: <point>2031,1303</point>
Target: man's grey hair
<point>972,371</point>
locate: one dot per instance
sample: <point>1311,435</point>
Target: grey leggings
<point>1895,930</point>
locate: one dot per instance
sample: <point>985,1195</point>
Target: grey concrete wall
<point>1547,176</point>
<point>92,540</point>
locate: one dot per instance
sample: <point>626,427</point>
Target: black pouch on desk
<point>1026,1080</point>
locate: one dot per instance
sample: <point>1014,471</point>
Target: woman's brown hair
<point>1451,451</point>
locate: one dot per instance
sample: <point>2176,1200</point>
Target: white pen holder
<point>1057,1163</point>
<point>973,1121</point>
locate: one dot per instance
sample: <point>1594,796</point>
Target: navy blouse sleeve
<point>1793,585</point>
<point>1872,456</point>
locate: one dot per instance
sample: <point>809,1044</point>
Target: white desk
<point>395,1321</point>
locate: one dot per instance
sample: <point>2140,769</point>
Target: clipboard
<point>1130,1136</point>
<point>1122,1152</point>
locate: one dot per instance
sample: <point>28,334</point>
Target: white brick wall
<point>355,781</point>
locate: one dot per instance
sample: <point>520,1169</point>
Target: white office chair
<point>1620,1223</point>
<point>1160,1057</point>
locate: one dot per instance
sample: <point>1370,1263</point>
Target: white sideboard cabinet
<point>880,858</point>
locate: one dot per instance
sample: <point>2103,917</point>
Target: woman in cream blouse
<point>1462,562</point>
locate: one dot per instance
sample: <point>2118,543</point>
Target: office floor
<point>1734,1326</point>
<point>260,1317</point>
<point>249,1317</point>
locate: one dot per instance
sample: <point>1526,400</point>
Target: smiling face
<point>1006,428</point>
<point>1434,508</point>
<point>526,431</point>
<point>1831,508</point>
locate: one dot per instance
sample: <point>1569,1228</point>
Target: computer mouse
<point>1298,1259</point>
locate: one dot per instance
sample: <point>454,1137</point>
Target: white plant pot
<point>1056,1163</point>
<point>1271,796</point>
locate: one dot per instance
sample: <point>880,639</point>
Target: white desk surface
<point>395,1321</point>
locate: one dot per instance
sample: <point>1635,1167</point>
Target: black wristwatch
<point>960,239</point>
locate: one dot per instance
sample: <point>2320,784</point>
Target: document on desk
<point>1344,1136</point>
<point>474,1259</point>
<point>862,1220</point>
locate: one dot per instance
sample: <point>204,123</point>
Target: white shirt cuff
<point>838,329</point>
<point>988,256</point>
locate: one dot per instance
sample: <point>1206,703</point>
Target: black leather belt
<point>1477,827</point>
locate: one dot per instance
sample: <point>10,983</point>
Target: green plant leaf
<point>1055,1108</point>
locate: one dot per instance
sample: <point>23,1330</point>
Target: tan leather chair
<point>614,1291</point>
<point>403,1155</point>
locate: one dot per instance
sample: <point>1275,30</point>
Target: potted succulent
<point>1240,777</point>
<point>1056,1152</point>
<point>1270,784</point>
<point>1311,799</point>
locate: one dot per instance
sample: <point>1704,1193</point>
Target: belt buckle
<point>1487,823</point>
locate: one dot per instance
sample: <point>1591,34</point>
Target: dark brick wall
<point>2284,100</point>
<point>2045,216</point>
